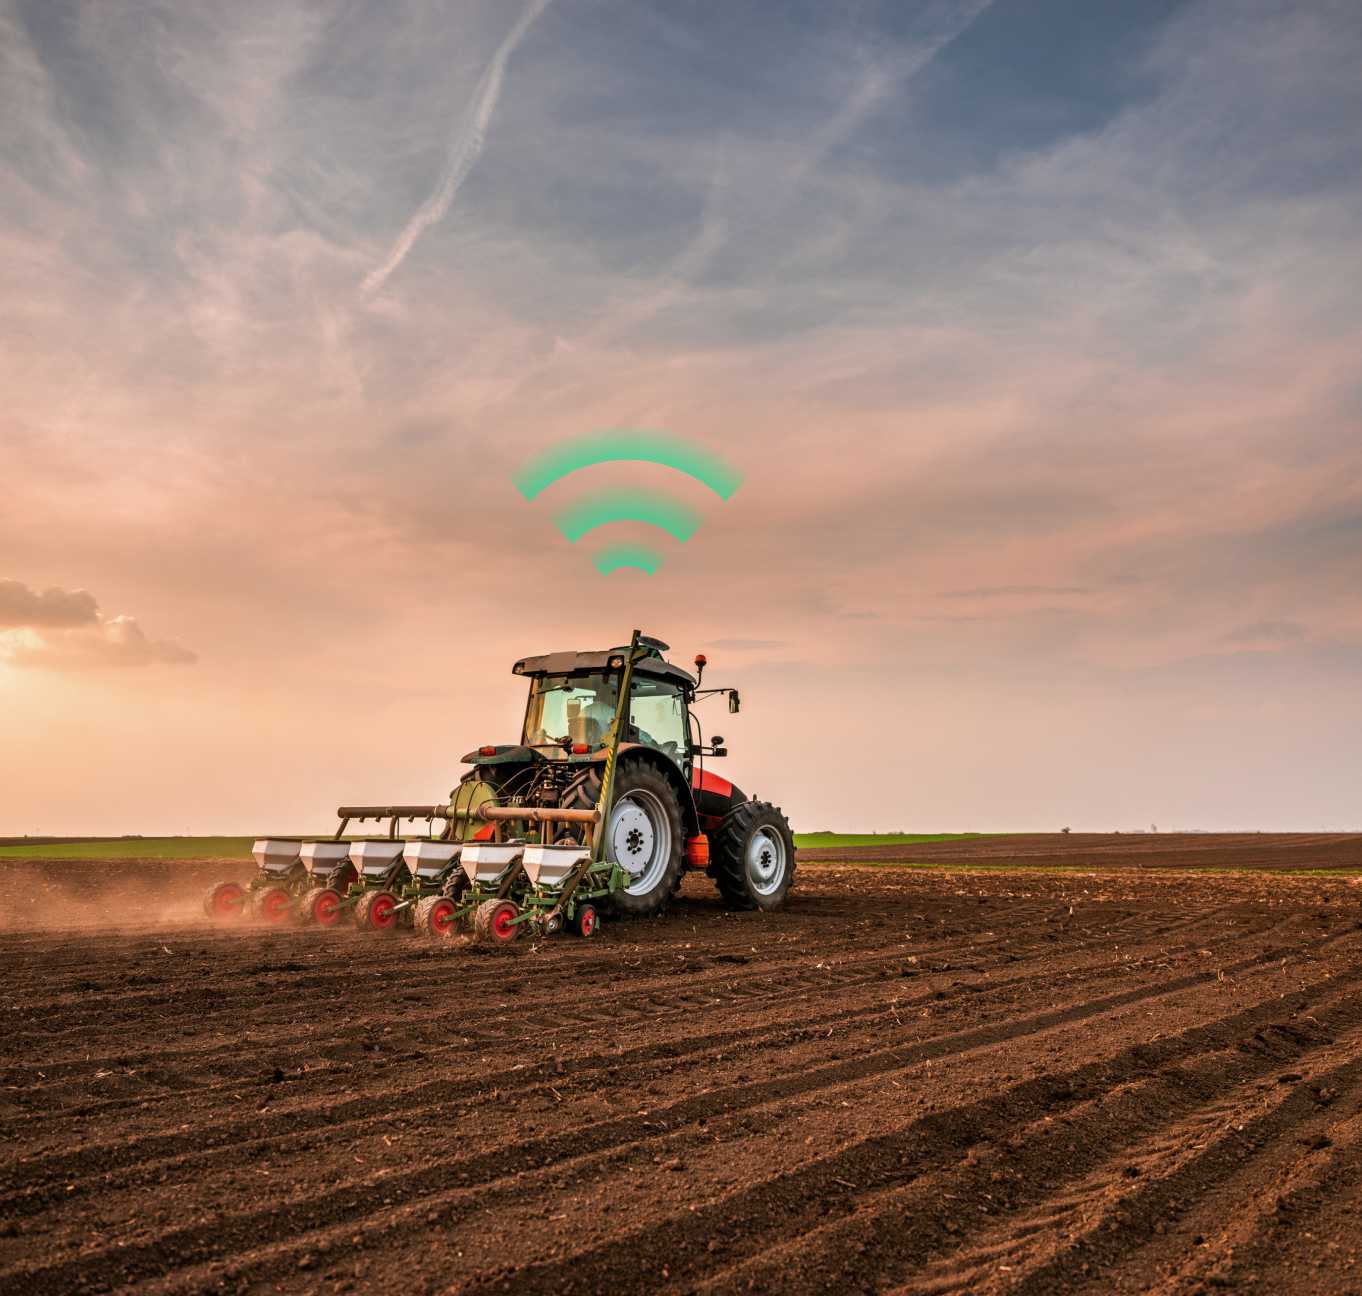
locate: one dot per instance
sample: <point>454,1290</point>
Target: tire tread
<point>727,852</point>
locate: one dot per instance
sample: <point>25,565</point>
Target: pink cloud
<point>63,630</point>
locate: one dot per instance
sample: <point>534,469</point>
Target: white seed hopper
<point>275,855</point>
<point>323,858</point>
<point>375,858</point>
<point>549,866</point>
<point>430,859</point>
<point>487,862</point>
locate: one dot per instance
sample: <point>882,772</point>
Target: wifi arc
<point>649,507</point>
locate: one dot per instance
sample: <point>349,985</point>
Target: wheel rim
<point>503,923</point>
<point>640,840</point>
<point>765,861</point>
<point>588,921</point>
<point>442,917</point>
<point>226,902</point>
<point>326,909</point>
<point>274,905</point>
<point>383,911</point>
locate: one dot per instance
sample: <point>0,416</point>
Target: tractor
<point>604,802</point>
<point>668,813</point>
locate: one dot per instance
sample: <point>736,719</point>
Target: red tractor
<point>667,812</point>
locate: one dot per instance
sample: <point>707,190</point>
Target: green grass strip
<point>134,848</point>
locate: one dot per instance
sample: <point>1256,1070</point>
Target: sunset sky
<point>1033,327</point>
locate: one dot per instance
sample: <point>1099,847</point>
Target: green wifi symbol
<point>599,508</point>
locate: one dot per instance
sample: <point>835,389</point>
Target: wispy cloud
<point>874,86</point>
<point>1010,591</point>
<point>1266,632</point>
<point>465,150</point>
<point>22,606</point>
<point>1066,345</point>
<point>884,77</point>
<point>63,629</point>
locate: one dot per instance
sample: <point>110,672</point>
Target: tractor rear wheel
<point>644,835</point>
<point>752,856</point>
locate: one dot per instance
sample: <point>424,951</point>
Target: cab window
<point>658,714</point>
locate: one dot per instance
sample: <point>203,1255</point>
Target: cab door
<point>658,718</point>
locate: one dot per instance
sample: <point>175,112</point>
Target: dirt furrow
<point>37,1180</point>
<point>430,1030</point>
<point>1214,1222</point>
<point>1158,1194</point>
<point>802,1199</point>
<point>883,1241</point>
<point>940,1133</point>
<point>315,1207</point>
<point>924,1081</point>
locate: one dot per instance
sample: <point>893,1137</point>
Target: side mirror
<point>733,702</point>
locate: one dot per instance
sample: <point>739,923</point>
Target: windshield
<point>576,708</point>
<point>579,709</point>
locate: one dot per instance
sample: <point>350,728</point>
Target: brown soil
<point>910,1082</point>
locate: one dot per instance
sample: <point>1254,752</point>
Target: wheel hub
<point>765,861</point>
<point>640,839</point>
<point>632,837</point>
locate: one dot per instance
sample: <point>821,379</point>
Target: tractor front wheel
<point>752,856</point>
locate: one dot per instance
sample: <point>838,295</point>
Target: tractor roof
<point>572,663</point>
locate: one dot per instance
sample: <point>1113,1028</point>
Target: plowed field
<point>910,1082</point>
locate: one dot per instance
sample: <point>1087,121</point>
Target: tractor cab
<point>570,715</point>
<point>573,697</point>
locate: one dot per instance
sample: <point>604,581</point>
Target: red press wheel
<point>376,911</point>
<point>225,901</point>
<point>273,905</point>
<point>442,916</point>
<point>324,907</point>
<point>435,916</point>
<point>495,922</point>
<point>587,922</point>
